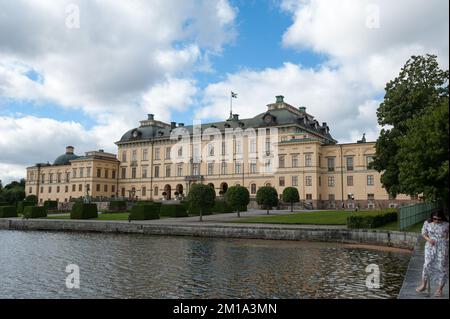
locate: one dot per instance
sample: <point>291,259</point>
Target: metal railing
<point>413,214</point>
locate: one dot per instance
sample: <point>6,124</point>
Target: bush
<point>51,204</point>
<point>3,204</point>
<point>83,211</point>
<point>237,197</point>
<point>32,198</point>
<point>118,205</point>
<point>144,212</point>
<point>267,197</point>
<point>175,210</point>
<point>195,210</point>
<point>221,207</point>
<point>371,221</point>
<point>201,199</point>
<point>291,196</point>
<point>22,204</point>
<point>8,211</point>
<point>34,212</point>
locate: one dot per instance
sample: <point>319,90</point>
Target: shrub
<point>51,204</point>
<point>221,207</point>
<point>118,205</point>
<point>8,211</point>
<point>237,197</point>
<point>3,204</point>
<point>144,212</point>
<point>175,210</point>
<point>22,204</point>
<point>34,212</point>
<point>32,198</point>
<point>371,221</point>
<point>267,197</point>
<point>290,195</point>
<point>83,211</point>
<point>201,198</point>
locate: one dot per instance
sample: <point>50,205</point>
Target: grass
<point>395,226</point>
<point>332,217</point>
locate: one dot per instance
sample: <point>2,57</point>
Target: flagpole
<point>231,104</point>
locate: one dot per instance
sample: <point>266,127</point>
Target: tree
<point>267,197</point>
<point>424,154</point>
<point>237,197</point>
<point>200,197</point>
<point>290,195</point>
<point>420,85</point>
<point>31,198</point>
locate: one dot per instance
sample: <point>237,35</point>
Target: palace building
<point>287,147</point>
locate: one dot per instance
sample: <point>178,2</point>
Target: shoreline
<point>377,238</point>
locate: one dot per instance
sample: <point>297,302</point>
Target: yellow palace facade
<point>282,147</point>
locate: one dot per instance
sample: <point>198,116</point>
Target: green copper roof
<point>65,159</point>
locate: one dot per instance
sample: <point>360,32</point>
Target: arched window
<point>156,190</point>
<point>253,188</point>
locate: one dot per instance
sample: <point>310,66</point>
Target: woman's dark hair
<point>438,212</point>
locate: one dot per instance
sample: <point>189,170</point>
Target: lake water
<point>33,265</point>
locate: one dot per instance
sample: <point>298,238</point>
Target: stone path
<point>413,277</point>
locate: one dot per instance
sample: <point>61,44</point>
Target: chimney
<point>173,125</point>
<point>235,117</point>
<point>180,124</point>
<point>70,150</point>
<point>279,99</point>
<point>101,151</point>
<point>324,124</point>
<point>150,117</point>
<point>302,109</point>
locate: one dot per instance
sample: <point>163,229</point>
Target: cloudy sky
<point>83,72</point>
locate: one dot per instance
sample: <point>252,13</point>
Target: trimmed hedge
<point>34,212</point>
<point>144,212</point>
<point>196,211</point>
<point>8,211</point>
<point>22,204</point>
<point>221,207</point>
<point>83,211</point>
<point>173,210</point>
<point>51,204</point>
<point>373,221</point>
<point>118,205</point>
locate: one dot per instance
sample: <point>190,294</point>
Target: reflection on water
<point>134,266</point>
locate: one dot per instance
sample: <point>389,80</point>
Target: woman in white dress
<point>435,231</point>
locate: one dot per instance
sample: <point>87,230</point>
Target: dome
<point>66,158</point>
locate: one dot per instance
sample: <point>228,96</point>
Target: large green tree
<point>420,87</point>
<point>290,195</point>
<point>267,197</point>
<point>201,197</point>
<point>238,198</point>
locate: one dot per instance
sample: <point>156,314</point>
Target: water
<point>33,265</point>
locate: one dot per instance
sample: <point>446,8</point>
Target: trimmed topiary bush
<point>31,198</point>
<point>118,205</point>
<point>237,197</point>
<point>291,196</point>
<point>144,212</point>
<point>51,205</point>
<point>267,197</point>
<point>34,212</point>
<point>8,211</point>
<point>83,211</point>
<point>22,204</point>
<point>201,197</point>
<point>173,210</point>
<point>371,221</point>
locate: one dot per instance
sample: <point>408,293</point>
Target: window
<point>97,187</point>
<point>294,180</point>
<point>51,177</point>
<point>180,151</point>
<point>210,150</point>
<point>88,172</point>
<point>113,174</point>
<point>370,196</point>
<point>66,189</point>
<point>369,160</point>
<point>195,169</point>
<point>67,177</point>
<point>124,172</point>
<point>74,173</point>
<point>180,170</point>
<point>295,161</point>
<point>168,153</point>
<point>42,190</point>
<point>133,173</point>
<point>281,181</point>
<point>281,161</point>
<point>210,168</point>
<point>349,180</point>
<point>106,173</point>
<point>167,170</point>
<point>330,161</point>
<point>58,189</point>
<point>268,166</point>
<point>49,189</point>
<point>308,180</point>
<point>99,172</point>
<point>81,172</point>
<point>145,154</point>
<point>369,180</point>
<point>157,154</point>
<point>308,196</point>
<point>349,161</point>
<point>253,167</point>
<point>113,188</point>
<point>331,197</point>
<point>59,178</point>
<point>223,148</point>
<point>144,191</point>
<point>105,188</point>
<point>320,161</point>
<point>238,147</point>
<point>74,188</point>
<point>320,181</point>
<point>267,149</point>
<point>156,171</point>
<point>134,156</point>
<point>308,160</point>
<point>156,191</point>
<point>253,146</point>
<point>144,172</point>
<point>331,181</point>
<point>123,192</point>
<point>238,168</point>
<point>124,156</point>
<point>223,168</point>
<point>80,187</point>
<point>253,188</point>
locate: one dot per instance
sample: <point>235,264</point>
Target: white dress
<point>435,267</point>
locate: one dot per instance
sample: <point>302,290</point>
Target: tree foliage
<point>267,197</point>
<point>290,195</point>
<point>201,197</point>
<point>13,192</point>
<point>410,99</point>
<point>237,197</point>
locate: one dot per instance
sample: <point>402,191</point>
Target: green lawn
<point>331,217</point>
<point>394,226</point>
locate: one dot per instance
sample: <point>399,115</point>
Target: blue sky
<point>86,84</point>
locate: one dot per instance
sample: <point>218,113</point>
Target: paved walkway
<point>413,277</point>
